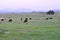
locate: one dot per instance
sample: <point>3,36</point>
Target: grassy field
<point>37,29</point>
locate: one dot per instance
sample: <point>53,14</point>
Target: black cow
<point>30,18</point>
<point>47,18</point>
<point>50,12</point>
<point>2,19</point>
<point>26,20</point>
<point>21,19</point>
<point>50,18</point>
<point>10,20</point>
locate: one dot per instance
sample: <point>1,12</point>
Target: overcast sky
<point>30,4</point>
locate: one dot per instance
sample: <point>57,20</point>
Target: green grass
<point>36,29</point>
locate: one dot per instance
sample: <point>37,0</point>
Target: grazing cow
<point>10,19</point>
<point>47,18</point>
<point>2,19</point>
<point>30,18</point>
<point>50,12</point>
<point>50,18</point>
<point>26,20</point>
<point>21,19</point>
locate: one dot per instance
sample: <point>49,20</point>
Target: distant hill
<point>15,10</point>
<point>56,10</point>
<point>4,11</point>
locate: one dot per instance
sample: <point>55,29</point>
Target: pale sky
<point>30,4</point>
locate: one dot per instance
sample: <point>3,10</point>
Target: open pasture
<point>36,29</point>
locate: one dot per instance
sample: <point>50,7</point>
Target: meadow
<point>36,29</point>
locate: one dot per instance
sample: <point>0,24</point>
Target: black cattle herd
<point>10,19</point>
<point>50,12</point>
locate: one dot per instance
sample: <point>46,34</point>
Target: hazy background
<point>29,5</point>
